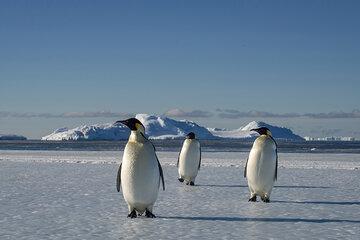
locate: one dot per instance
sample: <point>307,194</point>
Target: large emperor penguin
<point>140,172</point>
<point>261,165</point>
<point>189,160</point>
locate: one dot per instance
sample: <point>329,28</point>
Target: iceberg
<point>280,133</point>
<point>161,127</point>
<point>157,127</point>
<point>106,131</point>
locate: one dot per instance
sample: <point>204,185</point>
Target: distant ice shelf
<point>11,137</point>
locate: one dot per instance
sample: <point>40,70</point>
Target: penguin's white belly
<point>189,159</point>
<point>261,167</point>
<point>140,176</point>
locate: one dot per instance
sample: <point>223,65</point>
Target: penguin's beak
<point>124,122</point>
<point>255,130</point>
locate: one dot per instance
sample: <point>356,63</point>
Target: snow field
<point>49,195</point>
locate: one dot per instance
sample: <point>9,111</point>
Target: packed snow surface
<point>160,127</point>
<point>72,195</point>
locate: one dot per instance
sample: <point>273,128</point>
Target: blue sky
<point>65,63</point>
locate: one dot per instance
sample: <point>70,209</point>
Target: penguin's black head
<point>133,124</point>
<point>190,135</point>
<point>262,131</point>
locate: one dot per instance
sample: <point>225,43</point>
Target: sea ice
<point>72,195</point>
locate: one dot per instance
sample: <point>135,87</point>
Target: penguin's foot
<point>180,179</point>
<point>265,199</point>
<point>149,214</point>
<point>252,199</point>
<point>192,183</point>
<point>132,214</point>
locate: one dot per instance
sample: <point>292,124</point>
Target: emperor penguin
<point>261,165</point>
<point>140,171</point>
<point>189,159</point>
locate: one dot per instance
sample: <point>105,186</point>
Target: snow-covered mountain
<point>106,131</point>
<point>235,133</point>
<point>160,127</point>
<point>11,137</point>
<point>244,132</point>
<point>156,127</point>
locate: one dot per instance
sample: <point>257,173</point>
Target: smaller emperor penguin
<point>261,165</point>
<point>140,172</point>
<point>189,160</point>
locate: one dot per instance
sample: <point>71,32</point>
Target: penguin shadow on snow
<point>222,185</point>
<point>306,187</point>
<point>245,186</point>
<point>256,219</point>
<point>318,202</point>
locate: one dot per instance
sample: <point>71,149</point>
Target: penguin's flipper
<point>276,167</point>
<point>161,174</point>
<point>246,167</point>
<point>276,152</point>
<point>177,164</point>
<point>199,160</point>
<point>118,179</point>
<point>160,169</point>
